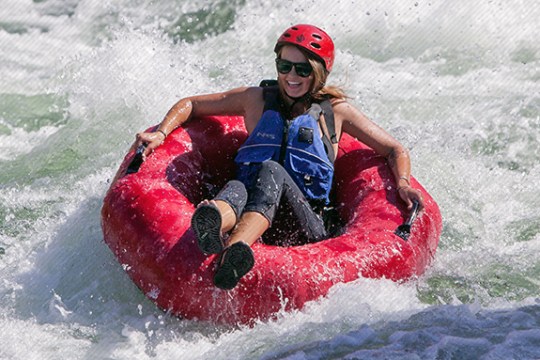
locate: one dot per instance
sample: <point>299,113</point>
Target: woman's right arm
<point>233,102</point>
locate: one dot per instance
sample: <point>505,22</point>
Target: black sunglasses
<point>285,66</point>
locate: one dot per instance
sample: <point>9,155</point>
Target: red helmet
<point>311,38</point>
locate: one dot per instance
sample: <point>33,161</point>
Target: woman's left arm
<point>353,122</point>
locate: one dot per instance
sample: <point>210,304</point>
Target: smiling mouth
<point>293,89</point>
<point>293,84</point>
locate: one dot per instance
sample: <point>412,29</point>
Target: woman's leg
<point>237,259</point>
<point>231,201</point>
<point>273,185</point>
<point>277,186</point>
<point>264,196</point>
<point>250,228</point>
<point>213,218</point>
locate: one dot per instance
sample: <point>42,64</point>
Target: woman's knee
<point>238,188</point>
<point>271,165</point>
<point>272,169</point>
<point>235,194</point>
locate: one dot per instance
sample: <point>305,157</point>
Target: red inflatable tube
<point>146,222</point>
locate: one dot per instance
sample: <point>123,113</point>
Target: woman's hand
<point>408,194</point>
<point>151,139</point>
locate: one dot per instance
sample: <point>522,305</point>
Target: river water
<point>457,82</point>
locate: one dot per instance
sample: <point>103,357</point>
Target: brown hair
<point>319,89</point>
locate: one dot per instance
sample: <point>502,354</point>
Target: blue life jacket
<point>296,144</point>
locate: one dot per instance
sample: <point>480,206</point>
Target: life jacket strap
<point>271,102</point>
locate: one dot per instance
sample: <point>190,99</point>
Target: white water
<point>455,81</point>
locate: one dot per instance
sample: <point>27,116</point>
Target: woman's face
<point>292,84</point>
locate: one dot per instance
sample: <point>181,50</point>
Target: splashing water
<point>456,82</point>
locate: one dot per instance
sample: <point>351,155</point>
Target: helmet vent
<point>317,36</point>
<point>315,45</point>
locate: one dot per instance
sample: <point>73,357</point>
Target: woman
<point>293,128</point>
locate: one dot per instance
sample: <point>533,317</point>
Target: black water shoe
<point>236,261</point>
<point>206,222</point>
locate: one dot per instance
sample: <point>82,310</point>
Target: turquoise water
<point>456,82</point>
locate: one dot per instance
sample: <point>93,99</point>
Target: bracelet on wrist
<point>406,179</point>
<point>403,187</point>
<point>163,132</point>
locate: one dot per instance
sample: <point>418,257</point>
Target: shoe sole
<point>236,261</point>
<point>206,222</point>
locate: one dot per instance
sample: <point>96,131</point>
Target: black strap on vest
<point>270,94</point>
<point>271,102</point>
<point>328,112</point>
